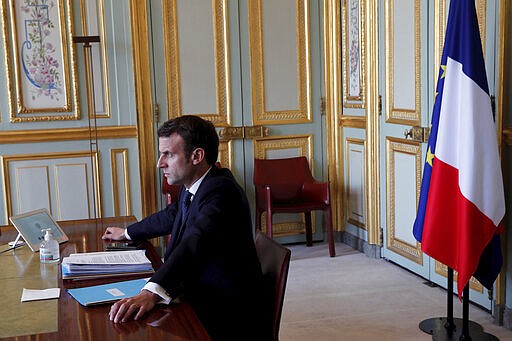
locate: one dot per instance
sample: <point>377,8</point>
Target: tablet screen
<point>31,226</point>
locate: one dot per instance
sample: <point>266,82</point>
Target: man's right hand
<point>114,233</point>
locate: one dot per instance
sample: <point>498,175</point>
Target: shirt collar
<point>193,189</point>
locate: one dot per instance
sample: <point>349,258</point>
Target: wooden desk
<point>65,318</point>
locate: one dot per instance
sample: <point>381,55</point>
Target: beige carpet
<point>354,297</point>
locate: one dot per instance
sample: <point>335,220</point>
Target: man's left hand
<point>133,307</point>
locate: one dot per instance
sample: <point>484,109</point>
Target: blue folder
<point>105,293</point>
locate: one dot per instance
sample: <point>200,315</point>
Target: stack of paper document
<point>102,264</point>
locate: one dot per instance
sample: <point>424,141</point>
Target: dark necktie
<point>185,205</point>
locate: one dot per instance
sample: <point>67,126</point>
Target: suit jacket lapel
<point>177,227</point>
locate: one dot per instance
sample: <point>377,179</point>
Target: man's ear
<point>197,156</point>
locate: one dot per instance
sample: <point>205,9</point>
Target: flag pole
<point>467,333</point>
<point>448,326</point>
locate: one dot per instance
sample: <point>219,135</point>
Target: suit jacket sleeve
<point>155,225</point>
<point>217,246</point>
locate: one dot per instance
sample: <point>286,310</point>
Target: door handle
<point>419,134</point>
<point>243,132</point>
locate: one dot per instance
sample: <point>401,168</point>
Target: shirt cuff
<point>157,289</point>
<point>126,234</point>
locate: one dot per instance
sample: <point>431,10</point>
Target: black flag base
<point>477,334</point>
<point>440,325</point>
<point>449,328</point>
<point>440,330</point>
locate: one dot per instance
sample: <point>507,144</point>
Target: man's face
<point>176,167</point>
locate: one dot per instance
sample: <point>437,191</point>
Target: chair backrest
<point>284,176</point>
<point>275,262</point>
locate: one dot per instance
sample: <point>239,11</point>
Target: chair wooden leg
<point>309,231</point>
<point>330,233</point>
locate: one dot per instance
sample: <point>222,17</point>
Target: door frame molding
<point>334,111</point>
<point>144,105</point>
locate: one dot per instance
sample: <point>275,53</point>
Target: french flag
<point>462,205</point>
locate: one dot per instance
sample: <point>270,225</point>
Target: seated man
<point>211,259</point>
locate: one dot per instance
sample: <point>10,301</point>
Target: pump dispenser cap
<point>47,234</point>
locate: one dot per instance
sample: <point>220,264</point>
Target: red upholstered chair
<point>275,262</point>
<point>287,186</point>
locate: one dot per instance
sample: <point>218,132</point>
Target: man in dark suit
<point>211,259</point>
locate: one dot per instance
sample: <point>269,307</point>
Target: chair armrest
<point>316,192</point>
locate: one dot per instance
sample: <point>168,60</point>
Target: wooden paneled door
<point>411,55</point>
<point>253,67</point>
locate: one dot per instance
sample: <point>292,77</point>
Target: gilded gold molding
<point>333,108</point>
<point>304,143</point>
<point>440,13</point>
<point>350,101</point>
<point>65,134</point>
<point>503,106</point>
<point>144,103</point>
<point>7,59</point>
<point>6,159</point>
<point>409,116</point>
<point>123,152</point>
<point>481,13</point>
<point>222,62</point>
<point>103,50</point>
<point>226,154</point>
<point>288,228</point>
<point>353,122</point>
<point>372,126</point>
<point>24,114</point>
<point>303,113</point>
<point>395,145</point>
<point>357,219</point>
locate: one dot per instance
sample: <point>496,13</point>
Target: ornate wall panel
<point>71,184</point>
<point>40,60</point>
<point>354,53</point>
<point>120,182</point>
<point>278,59</point>
<point>403,62</point>
<point>356,177</point>
<point>61,182</point>
<point>197,59</point>
<point>404,162</point>
<point>28,198</point>
<point>93,24</point>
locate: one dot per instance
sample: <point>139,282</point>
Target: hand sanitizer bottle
<point>49,248</point>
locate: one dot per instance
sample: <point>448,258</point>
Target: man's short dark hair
<point>196,133</point>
